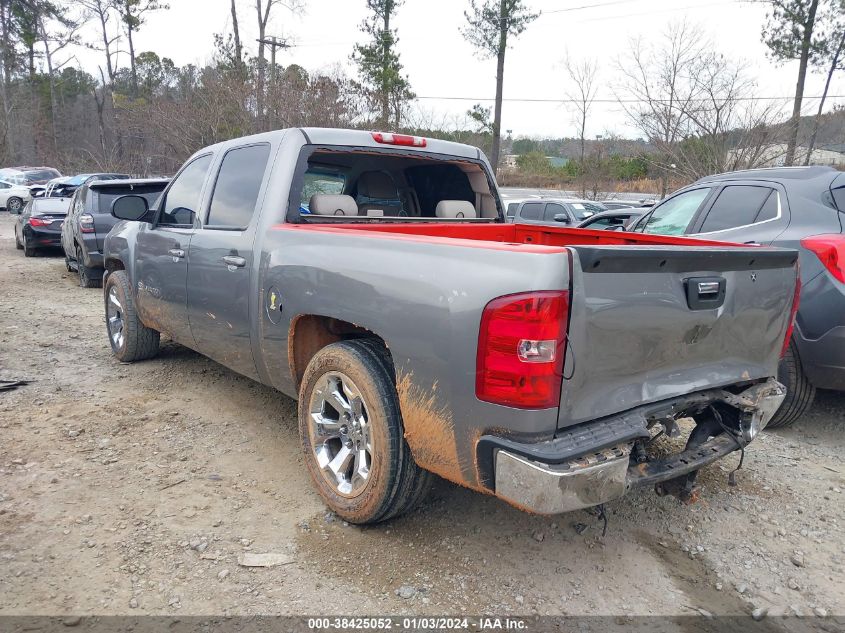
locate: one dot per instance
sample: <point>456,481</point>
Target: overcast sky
<point>440,63</point>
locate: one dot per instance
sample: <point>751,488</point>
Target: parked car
<point>90,220</point>
<point>615,220</point>
<point>794,207</point>
<point>29,175</point>
<point>39,225</point>
<point>13,197</point>
<point>65,186</point>
<point>431,336</point>
<point>626,204</point>
<point>551,211</point>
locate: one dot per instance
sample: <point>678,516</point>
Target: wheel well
<point>113,265</point>
<point>309,333</point>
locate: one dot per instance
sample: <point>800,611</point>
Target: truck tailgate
<point>648,323</point>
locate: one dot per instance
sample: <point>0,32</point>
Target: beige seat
<point>328,204</point>
<point>378,192</point>
<point>455,209</point>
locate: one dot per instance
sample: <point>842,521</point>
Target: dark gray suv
<point>793,207</point>
<point>90,220</point>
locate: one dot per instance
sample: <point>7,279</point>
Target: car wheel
<point>130,339</point>
<point>800,393</point>
<point>28,251</point>
<point>85,279</point>
<point>352,434</point>
<point>14,204</point>
<point>18,244</point>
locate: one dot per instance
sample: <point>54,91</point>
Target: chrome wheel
<point>14,204</point>
<point>340,434</point>
<point>115,318</point>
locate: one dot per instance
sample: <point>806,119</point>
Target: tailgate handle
<point>705,293</point>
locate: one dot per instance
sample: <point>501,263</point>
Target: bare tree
<point>133,12</point>
<point>834,55</point>
<point>583,73</point>
<point>791,33</point>
<point>264,9</point>
<point>101,10</point>
<point>489,25</point>
<point>236,32</point>
<point>656,78</point>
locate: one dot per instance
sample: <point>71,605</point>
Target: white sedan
<point>13,197</point>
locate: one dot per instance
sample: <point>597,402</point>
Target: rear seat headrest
<point>329,204</point>
<point>455,209</point>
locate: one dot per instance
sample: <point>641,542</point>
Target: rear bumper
<point>535,478</point>
<point>43,239</point>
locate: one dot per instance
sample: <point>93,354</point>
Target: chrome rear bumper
<point>602,475</point>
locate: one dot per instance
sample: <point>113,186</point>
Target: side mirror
<point>562,217</point>
<point>130,207</point>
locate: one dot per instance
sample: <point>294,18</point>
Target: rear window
<point>107,195</point>
<point>42,174</point>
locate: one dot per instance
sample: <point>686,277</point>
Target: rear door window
<point>740,205</point>
<point>238,185</point>
<point>531,211</point>
<point>673,216</point>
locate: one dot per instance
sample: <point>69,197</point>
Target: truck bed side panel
<point>425,301</point>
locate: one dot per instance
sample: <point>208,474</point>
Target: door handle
<point>176,252</point>
<point>234,260</point>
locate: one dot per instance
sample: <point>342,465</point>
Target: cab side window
<point>183,197</point>
<point>238,185</point>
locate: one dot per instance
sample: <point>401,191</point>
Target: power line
<point>589,6</point>
<point>527,100</point>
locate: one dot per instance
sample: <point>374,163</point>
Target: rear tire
<point>18,244</point>
<point>799,391</point>
<point>85,280</point>
<point>28,251</point>
<point>361,373</point>
<point>14,204</point>
<point>130,339</point>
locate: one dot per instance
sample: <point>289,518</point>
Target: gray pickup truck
<point>372,277</point>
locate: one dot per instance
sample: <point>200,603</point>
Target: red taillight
<point>830,249</point>
<point>388,138</point>
<point>796,300</point>
<point>521,350</point>
<point>39,222</point>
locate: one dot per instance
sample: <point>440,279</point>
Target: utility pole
<point>274,43</point>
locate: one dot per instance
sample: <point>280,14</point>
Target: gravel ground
<point>140,489</point>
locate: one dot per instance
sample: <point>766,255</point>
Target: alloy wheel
<point>340,434</point>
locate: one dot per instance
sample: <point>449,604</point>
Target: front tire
<point>800,393</point>
<point>352,434</point>
<point>130,339</point>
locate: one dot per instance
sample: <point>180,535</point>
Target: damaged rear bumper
<point>592,463</point>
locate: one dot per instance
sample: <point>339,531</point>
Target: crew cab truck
<point>372,277</point>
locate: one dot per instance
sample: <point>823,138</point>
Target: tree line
<point>696,108</point>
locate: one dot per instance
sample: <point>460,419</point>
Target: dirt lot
<point>129,489</point>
